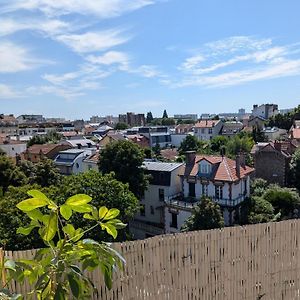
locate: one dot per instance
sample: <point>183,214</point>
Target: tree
<point>218,143</point>
<point>156,150</point>
<point>59,271</point>
<point>149,117</point>
<point>50,137</point>
<point>261,211</point>
<point>46,173</point>
<point>167,121</point>
<point>125,159</point>
<point>104,190</point>
<point>258,135</point>
<point>258,186</point>
<point>294,174</point>
<point>165,115</point>
<point>121,126</point>
<point>284,200</point>
<point>206,215</point>
<point>190,143</point>
<point>9,173</point>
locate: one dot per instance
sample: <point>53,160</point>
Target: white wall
<point>181,217</point>
<point>12,149</point>
<point>176,139</point>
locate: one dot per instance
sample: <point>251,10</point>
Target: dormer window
<point>205,168</point>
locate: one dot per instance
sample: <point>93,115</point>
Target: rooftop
<point>161,166</point>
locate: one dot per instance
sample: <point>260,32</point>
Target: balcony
<point>180,201</point>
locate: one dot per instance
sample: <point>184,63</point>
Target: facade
<point>8,125</point>
<point>224,180</point>
<point>176,139</point>
<point>193,117</point>
<point>91,162</point>
<point>258,122</point>
<point>139,139</point>
<point>157,135</point>
<point>205,130</point>
<point>12,147</point>
<point>232,128</point>
<point>30,119</point>
<point>36,153</point>
<point>164,183</point>
<point>265,111</point>
<point>71,161</point>
<point>132,119</point>
<point>271,160</point>
<point>111,137</point>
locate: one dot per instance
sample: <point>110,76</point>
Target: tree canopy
<point>50,137</point>
<point>206,215</point>
<point>125,159</point>
<point>191,143</point>
<point>121,126</point>
<point>165,115</point>
<point>294,174</point>
<point>149,117</point>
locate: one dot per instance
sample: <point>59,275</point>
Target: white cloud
<point>100,8</point>
<point>7,92</point>
<point>93,41</point>
<point>66,93</point>
<point>15,58</point>
<point>49,27</point>
<point>237,60</point>
<point>109,58</point>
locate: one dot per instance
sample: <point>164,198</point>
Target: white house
<point>205,130</point>
<point>225,180</point>
<point>12,147</point>
<point>164,184</point>
<point>71,161</point>
<point>265,110</point>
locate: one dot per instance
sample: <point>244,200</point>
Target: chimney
<point>277,145</point>
<point>238,165</point>
<point>242,160</point>
<point>190,157</point>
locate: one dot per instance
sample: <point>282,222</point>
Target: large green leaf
<point>25,230</point>
<point>31,204</point>
<point>69,230</point>
<point>111,214</point>
<point>78,200</point>
<point>102,212</point>
<point>110,229</point>
<point>38,194</point>
<point>50,229</point>
<point>66,211</point>
<point>85,208</point>
<point>35,214</point>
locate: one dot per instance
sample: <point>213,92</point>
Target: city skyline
<point>76,59</point>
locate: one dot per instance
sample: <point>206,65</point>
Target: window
<point>142,210</point>
<point>205,168</point>
<point>152,210</point>
<point>219,192</point>
<point>210,130</point>
<point>192,192</point>
<point>203,130</point>
<point>161,194</point>
<point>204,190</point>
<point>174,220</point>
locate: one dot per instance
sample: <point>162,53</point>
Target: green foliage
<point>294,174</point>
<point>156,150</point>
<point>258,186</point>
<point>206,215</point>
<point>60,271</point>
<point>258,135</point>
<point>261,211</point>
<point>284,121</point>
<point>218,143</point>
<point>191,143</point>
<point>168,121</point>
<point>188,121</point>
<point>103,189</point>
<point>149,117</point>
<point>9,173</point>
<point>50,137</point>
<point>238,144</point>
<point>121,126</point>
<point>43,173</point>
<point>284,200</point>
<point>125,159</point>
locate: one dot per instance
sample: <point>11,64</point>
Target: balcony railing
<point>180,201</point>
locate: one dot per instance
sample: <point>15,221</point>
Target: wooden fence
<point>251,262</point>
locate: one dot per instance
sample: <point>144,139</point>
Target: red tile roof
<point>45,149</point>
<point>224,168</point>
<point>207,123</point>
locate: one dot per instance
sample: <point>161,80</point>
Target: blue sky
<point>75,58</point>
